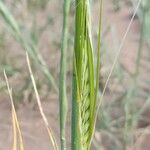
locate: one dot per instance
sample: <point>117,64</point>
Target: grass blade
<point>16,126</point>
<point>51,136</point>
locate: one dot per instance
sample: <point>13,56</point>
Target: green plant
<point>85,83</point>
<point>85,87</point>
<point>27,45</point>
<point>62,79</point>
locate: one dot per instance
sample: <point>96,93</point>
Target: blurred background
<point>35,26</point>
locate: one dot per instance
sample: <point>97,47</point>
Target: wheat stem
<point>62,77</point>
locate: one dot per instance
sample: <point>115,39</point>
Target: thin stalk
<point>98,49</point>
<point>14,147</point>
<point>16,126</point>
<point>62,76</point>
<point>49,130</point>
<point>98,56</point>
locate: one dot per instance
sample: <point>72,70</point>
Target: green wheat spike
<point>84,94</point>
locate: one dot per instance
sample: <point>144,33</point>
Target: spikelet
<point>83,102</point>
